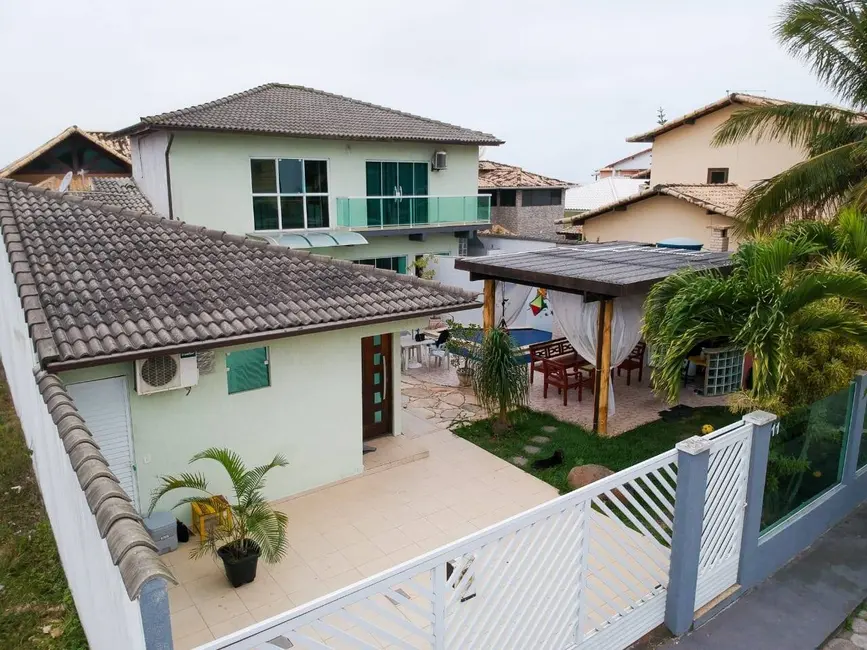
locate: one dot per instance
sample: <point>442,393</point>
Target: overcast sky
<point>562,82</point>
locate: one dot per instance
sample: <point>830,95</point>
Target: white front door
<point>104,405</point>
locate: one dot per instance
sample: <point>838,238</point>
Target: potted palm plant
<point>254,529</point>
<point>462,346</point>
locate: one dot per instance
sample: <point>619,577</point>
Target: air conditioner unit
<point>167,372</point>
<point>439,161</point>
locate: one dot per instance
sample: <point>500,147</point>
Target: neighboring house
<point>522,202</point>
<point>695,186</point>
<point>311,170</point>
<point>269,350</point>
<point>604,191</point>
<point>100,166</point>
<point>84,153</point>
<point>637,164</point>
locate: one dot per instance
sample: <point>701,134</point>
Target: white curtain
<point>579,322</point>
<point>516,300</point>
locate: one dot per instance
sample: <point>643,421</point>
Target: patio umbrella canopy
<point>592,273</point>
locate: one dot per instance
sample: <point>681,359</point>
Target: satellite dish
<point>64,184</point>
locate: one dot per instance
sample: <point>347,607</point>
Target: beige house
<point>695,187</point>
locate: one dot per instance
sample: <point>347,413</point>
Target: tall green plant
<point>831,37</point>
<point>253,518</point>
<point>500,380</point>
<point>780,290</point>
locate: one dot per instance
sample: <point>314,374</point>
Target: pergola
<point>598,272</point>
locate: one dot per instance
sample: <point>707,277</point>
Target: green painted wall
<point>311,413</point>
<point>211,172</point>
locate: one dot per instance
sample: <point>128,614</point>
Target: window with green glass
<point>289,193</point>
<point>248,370</point>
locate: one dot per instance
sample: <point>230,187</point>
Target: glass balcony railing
<point>381,212</point>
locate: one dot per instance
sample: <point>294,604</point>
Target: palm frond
<point>254,480</point>
<point>808,190</point>
<point>230,461</point>
<point>829,36</point>
<point>183,481</point>
<point>500,379</point>
<point>801,125</point>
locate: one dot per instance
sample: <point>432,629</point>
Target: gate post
<point>693,456</point>
<point>763,427</point>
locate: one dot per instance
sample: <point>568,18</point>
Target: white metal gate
<point>723,521</point>
<point>104,405</point>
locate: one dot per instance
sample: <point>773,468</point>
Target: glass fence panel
<point>862,450</point>
<point>412,211</point>
<point>806,456</point>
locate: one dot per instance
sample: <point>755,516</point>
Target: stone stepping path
<point>540,440</point>
<point>534,449</point>
<point>442,406</point>
<point>520,461</point>
<point>852,636</point>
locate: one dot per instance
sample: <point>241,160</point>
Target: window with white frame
<point>463,244</point>
<point>289,193</point>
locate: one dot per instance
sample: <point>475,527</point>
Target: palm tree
<point>807,278</point>
<point>255,527</point>
<point>500,379</point>
<point>831,37</point>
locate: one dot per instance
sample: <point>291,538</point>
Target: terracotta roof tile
<point>129,544</point>
<point>306,112</point>
<point>112,281</point>
<point>722,198</point>
<point>494,175</point>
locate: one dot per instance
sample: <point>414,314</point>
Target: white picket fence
<point>588,570</point>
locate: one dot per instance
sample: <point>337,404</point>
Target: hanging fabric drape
<point>516,299</point>
<point>578,320</point>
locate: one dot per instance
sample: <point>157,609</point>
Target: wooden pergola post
<point>489,306</point>
<point>603,366</point>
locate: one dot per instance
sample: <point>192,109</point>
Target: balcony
<point>412,212</point>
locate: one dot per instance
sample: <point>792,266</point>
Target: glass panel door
<point>374,188</point>
<point>420,188</point>
<point>390,187</point>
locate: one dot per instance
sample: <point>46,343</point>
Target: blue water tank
<point>680,242</point>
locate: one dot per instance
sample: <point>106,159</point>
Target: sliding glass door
<point>396,183</point>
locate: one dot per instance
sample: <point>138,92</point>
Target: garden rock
<point>586,474</point>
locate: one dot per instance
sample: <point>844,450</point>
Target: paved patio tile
<point>353,530</point>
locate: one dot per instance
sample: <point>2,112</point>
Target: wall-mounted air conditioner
<point>167,372</point>
<point>439,161</point>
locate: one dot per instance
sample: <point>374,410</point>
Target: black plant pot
<point>240,568</point>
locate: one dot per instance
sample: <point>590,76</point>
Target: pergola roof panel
<point>614,269</point>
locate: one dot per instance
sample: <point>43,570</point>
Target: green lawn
<point>36,608</point>
<point>581,447</point>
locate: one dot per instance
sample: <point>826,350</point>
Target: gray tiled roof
<point>306,112</point>
<point>98,283</point>
<point>116,190</point>
<point>131,548</point>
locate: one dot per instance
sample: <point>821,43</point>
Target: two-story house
<point>312,170</point>
<point>695,188</point>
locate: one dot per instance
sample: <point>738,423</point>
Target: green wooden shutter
<point>248,370</point>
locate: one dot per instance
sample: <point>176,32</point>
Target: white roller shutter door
<point>104,405</point>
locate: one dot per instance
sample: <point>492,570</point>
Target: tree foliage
<point>830,36</point>
<point>786,299</point>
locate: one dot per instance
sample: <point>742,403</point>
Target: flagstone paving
<point>852,635</point>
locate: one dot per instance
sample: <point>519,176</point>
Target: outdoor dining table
<point>408,345</point>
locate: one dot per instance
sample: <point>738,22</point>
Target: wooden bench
<point>541,351</point>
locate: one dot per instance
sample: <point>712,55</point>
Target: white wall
<point>684,154</point>
<point>311,413</point>
<point>149,168</point>
<point>211,171</point>
<point>110,620</point>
